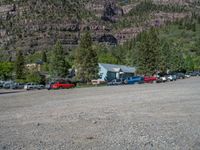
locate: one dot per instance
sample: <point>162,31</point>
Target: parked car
<point>62,85</point>
<point>148,79</point>
<point>32,86</point>
<point>180,75</point>
<point>17,86</point>
<point>187,75</point>
<point>98,82</point>
<point>48,86</point>
<point>40,86</point>
<point>171,77</point>
<point>116,82</point>
<point>195,73</point>
<point>161,79</point>
<point>7,84</point>
<point>1,84</point>
<point>134,80</point>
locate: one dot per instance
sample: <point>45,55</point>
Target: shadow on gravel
<point>10,92</point>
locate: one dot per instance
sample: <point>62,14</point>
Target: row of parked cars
<point>14,85</point>
<point>160,78</point>
<point>61,84</point>
<point>66,84</point>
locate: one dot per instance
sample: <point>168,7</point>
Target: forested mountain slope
<point>36,25</point>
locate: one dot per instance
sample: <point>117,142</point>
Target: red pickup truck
<point>150,79</point>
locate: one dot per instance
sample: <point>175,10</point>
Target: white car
<point>187,75</point>
<point>30,86</point>
<point>171,77</point>
<point>164,79</point>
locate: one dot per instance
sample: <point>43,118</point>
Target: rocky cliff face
<point>36,25</point>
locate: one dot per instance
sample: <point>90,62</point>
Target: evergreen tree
<point>148,53</point>
<point>58,65</point>
<point>189,63</point>
<point>86,60</point>
<point>19,65</point>
<point>44,56</point>
<point>178,63</point>
<point>165,58</point>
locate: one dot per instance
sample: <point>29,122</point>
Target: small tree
<point>19,65</point>
<point>6,70</point>
<point>86,60</point>
<point>58,65</point>
<point>35,77</point>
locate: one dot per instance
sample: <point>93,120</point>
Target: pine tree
<point>58,65</point>
<point>189,63</point>
<point>178,63</point>
<point>19,65</point>
<point>86,60</point>
<point>148,53</point>
<point>167,56</point>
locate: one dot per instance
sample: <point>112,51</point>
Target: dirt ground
<point>150,116</point>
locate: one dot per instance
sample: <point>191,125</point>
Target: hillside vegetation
<point>120,30</point>
<point>35,25</point>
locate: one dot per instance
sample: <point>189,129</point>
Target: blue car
<point>134,80</point>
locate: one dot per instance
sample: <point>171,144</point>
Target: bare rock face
<point>111,12</point>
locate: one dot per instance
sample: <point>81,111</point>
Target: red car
<point>62,85</point>
<point>150,79</point>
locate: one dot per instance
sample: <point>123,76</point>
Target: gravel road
<point>136,117</point>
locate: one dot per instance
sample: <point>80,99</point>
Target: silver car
<point>33,86</point>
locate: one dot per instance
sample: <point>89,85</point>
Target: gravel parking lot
<point>149,116</point>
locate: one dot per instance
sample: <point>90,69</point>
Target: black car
<point>180,75</point>
<point>195,73</point>
<point>17,86</point>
